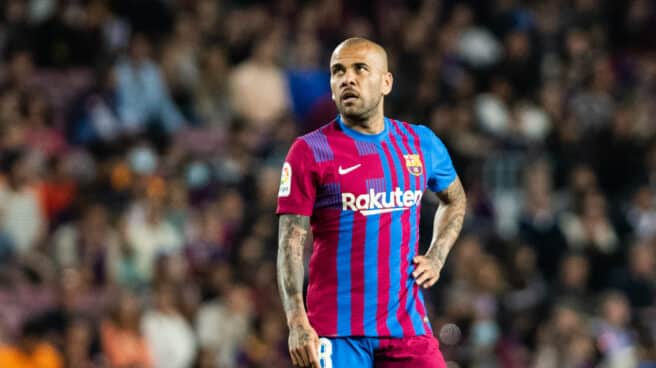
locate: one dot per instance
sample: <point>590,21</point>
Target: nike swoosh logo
<point>347,170</point>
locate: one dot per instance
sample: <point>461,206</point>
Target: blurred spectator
<point>74,297</point>
<point>173,270</point>
<point>168,335</point>
<point>618,153</point>
<point>79,341</point>
<point>476,45</point>
<point>65,38</point>
<point>636,280</point>
<point>41,135</point>
<point>122,341</point>
<point>591,231</point>
<point>31,350</point>
<point>568,150</point>
<point>266,346</point>
<point>21,68</point>
<point>615,338</point>
<point>521,64</point>
<point>563,340</point>
<point>180,63</point>
<point>211,95</point>
<point>89,244</point>
<point>208,247</point>
<point>14,33</point>
<point>594,107</point>
<point>20,211</point>
<point>538,223</point>
<point>530,122</point>
<point>646,348</point>
<point>492,109</point>
<point>149,235</point>
<point>527,292</point>
<point>179,209</point>
<point>208,14</point>
<point>581,179</point>
<point>572,283</point>
<point>57,190</point>
<point>115,30</point>
<point>94,117</point>
<point>642,213</point>
<point>485,331</point>
<point>231,315</point>
<point>143,98</point>
<point>260,107</point>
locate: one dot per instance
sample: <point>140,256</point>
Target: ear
<point>388,81</point>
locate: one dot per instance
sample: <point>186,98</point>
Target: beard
<point>361,110</point>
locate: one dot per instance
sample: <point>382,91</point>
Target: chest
<point>373,177</point>
<point>365,165</point>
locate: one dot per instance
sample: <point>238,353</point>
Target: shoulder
<point>317,142</point>
<point>325,130</point>
<point>422,131</point>
<point>427,136</point>
<point>428,140</point>
<point>419,131</point>
<point>407,127</point>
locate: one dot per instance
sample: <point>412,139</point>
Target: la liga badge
<point>285,180</point>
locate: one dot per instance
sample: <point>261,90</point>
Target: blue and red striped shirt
<point>363,194</point>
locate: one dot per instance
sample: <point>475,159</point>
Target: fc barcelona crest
<point>413,163</point>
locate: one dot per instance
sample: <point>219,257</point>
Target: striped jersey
<point>363,194</point>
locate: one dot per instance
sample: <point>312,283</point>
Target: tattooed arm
<point>303,340</point>
<point>446,228</point>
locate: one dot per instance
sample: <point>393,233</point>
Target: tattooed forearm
<point>448,221</point>
<point>292,233</point>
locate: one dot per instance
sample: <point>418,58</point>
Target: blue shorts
<point>421,351</point>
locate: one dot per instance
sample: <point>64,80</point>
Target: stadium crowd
<point>141,143</point>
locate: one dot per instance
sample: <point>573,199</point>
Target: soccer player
<point>358,182</point>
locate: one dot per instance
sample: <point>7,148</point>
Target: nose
<point>349,78</point>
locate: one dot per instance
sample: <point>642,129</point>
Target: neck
<point>372,125</point>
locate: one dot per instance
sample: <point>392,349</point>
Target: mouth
<point>349,96</point>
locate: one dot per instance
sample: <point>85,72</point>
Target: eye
<point>337,71</point>
<point>362,68</point>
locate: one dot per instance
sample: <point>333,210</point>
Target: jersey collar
<point>363,136</point>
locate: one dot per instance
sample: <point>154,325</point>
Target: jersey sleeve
<point>441,172</point>
<point>298,179</point>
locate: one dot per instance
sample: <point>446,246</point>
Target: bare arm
<point>292,232</point>
<point>448,221</point>
<point>446,228</point>
<point>303,340</point>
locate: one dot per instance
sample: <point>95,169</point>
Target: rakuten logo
<point>374,203</point>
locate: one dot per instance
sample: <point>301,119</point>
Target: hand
<point>427,271</point>
<point>304,345</point>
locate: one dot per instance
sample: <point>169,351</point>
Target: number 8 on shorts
<point>325,353</point>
